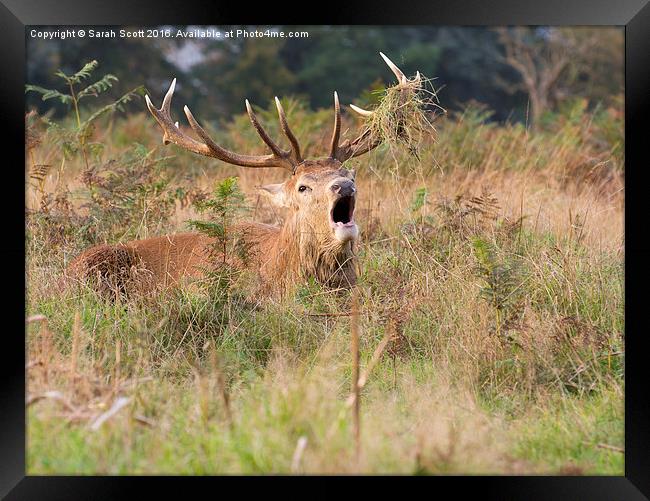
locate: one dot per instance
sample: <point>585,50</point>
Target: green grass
<point>572,432</point>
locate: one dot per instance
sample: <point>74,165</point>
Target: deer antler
<point>348,149</point>
<point>295,146</point>
<point>278,158</point>
<point>337,127</point>
<point>363,144</point>
<point>173,134</point>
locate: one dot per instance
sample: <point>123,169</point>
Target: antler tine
<point>173,134</point>
<point>336,133</point>
<point>362,144</point>
<point>207,140</point>
<point>401,78</point>
<point>295,146</point>
<point>167,100</point>
<point>361,111</point>
<point>263,134</point>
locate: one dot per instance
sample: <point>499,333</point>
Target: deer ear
<point>275,193</point>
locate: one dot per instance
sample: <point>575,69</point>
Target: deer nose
<point>343,188</point>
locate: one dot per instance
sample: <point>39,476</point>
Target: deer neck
<point>306,251</point>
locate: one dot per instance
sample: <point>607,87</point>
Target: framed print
<point>393,242</point>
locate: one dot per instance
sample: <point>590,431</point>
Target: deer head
<point>321,197</point>
<point>320,194</point>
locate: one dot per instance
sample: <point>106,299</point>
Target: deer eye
<point>302,188</point>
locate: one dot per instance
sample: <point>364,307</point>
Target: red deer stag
<point>315,240</point>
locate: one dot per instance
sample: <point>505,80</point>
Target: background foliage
<point>469,64</point>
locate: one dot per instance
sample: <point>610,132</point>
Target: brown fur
<point>304,247</point>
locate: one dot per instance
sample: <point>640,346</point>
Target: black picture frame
<point>15,15</point>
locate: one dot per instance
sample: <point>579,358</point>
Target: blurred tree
<point>599,76</point>
<point>468,63</point>
<point>233,71</point>
<point>553,62</point>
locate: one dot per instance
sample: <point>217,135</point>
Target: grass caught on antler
<point>404,115</point>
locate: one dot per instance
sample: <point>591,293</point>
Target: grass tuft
<point>404,116</point>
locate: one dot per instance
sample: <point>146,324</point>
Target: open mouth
<point>342,214</point>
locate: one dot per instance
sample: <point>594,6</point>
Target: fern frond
<point>40,172</point>
<point>484,254</point>
<point>82,74</point>
<point>109,108</point>
<point>211,229</point>
<point>49,93</point>
<point>102,85</point>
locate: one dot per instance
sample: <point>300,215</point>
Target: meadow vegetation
<point>490,277</point>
